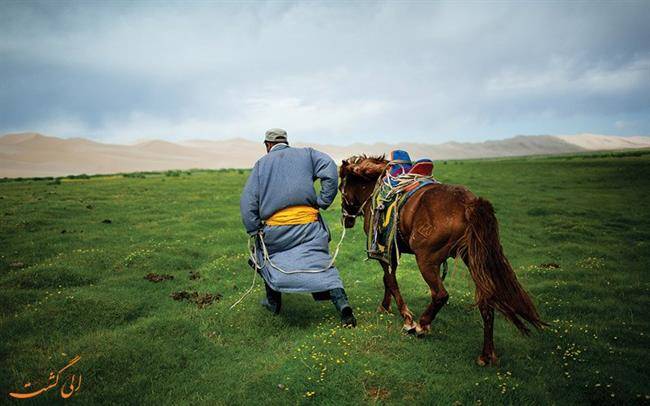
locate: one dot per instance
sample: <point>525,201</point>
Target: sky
<point>328,72</point>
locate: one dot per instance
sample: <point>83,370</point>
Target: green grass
<point>82,292</point>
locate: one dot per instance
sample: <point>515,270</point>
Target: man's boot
<point>273,300</point>
<point>340,300</point>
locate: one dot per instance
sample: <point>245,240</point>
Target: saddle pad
<point>385,221</point>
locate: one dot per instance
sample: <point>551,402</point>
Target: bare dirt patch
<point>200,299</point>
<point>154,277</point>
<point>378,393</point>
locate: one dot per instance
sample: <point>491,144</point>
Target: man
<point>280,205</point>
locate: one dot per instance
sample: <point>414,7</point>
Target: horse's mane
<point>365,166</point>
<point>364,157</point>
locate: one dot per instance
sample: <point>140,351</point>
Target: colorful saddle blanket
<point>402,178</point>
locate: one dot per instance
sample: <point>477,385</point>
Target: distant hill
<point>33,154</point>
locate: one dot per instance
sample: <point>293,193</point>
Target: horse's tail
<point>496,282</point>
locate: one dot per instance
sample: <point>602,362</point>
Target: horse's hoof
<point>409,329</point>
<point>421,331</point>
<point>483,360</point>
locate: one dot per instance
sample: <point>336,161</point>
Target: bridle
<point>360,210</point>
<point>344,212</point>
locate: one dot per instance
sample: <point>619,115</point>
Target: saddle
<point>401,179</point>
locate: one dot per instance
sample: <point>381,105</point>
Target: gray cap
<point>275,135</point>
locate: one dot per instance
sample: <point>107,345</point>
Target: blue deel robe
<point>285,177</point>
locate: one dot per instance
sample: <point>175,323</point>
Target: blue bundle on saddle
<point>402,178</point>
<point>400,163</point>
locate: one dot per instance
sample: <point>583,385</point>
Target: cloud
<point>344,72</point>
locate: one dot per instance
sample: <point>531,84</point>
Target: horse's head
<point>358,175</point>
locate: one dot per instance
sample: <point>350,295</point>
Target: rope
<point>252,253</point>
<point>267,258</point>
<point>403,181</point>
<point>247,292</point>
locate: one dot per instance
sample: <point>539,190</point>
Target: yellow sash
<point>293,215</point>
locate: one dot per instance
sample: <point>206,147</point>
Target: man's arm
<point>249,205</point>
<point>325,170</point>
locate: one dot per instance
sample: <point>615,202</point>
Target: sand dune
<point>33,154</point>
<point>594,142</point>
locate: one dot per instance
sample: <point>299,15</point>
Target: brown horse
<point>438,222</point>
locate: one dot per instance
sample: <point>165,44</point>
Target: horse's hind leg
<point>488,356</point>
<point>391,282</point>
<point>429,264</point>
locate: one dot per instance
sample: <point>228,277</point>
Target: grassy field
<point>74,254</point>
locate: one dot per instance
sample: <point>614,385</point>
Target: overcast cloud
<point>329,72</point>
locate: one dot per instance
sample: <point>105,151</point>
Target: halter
<point>359,212</point>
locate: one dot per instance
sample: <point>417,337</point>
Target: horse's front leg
<point>390,282</point>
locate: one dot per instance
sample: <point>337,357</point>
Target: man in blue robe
<point>280,206</point>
